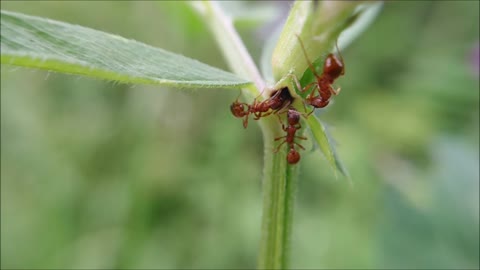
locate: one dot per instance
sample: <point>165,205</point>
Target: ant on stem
<point>333,68</point>
<point>278,101</point>
<point>293,118</point>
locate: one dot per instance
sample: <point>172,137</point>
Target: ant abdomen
<point>293,156</point>
<point>333,67</point>
<point>319,103</point>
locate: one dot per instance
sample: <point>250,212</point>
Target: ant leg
<point>305,102</point>
<point>281,111</point>
<point>299,145</point>
<point>280,120</point>
<point>259,115</point>
<point>276,139</point>
<point>307,87</point>
<point>299,86</point>
<point>312,96</point>
<point>305,110</point>
<point>284,128</point>
<point>304,106</point>
<point>245,121</point>
<point>335,92</point>
<point>254,103</point>
<point>301,137</point>
<point>296,81</point>
<point>285,107</point>
<point>308,114</point>
<point>274,95</point>
<point>278,147</point>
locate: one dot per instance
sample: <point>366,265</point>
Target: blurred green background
<point>102,175</point>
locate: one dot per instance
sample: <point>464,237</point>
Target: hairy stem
<point>278,177</point>
<point>279,184</point>
<point>230,43</point>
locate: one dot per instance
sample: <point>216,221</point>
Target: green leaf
<point>42,43</point>
<point>326,146</point>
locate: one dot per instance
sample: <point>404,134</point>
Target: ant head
<point>333,66</point>
<point>293,117</point>
<point>293,156</point>
<point>237,109</point>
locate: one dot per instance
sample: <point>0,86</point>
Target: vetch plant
<point>310,32</point>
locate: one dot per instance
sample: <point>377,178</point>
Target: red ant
<point>279,100</point>
<point>293,118</point>
<point>332,69</point>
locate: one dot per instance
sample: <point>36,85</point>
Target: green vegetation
<point>97,174</point>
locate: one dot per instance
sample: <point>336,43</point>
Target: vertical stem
<point>278,178</point>
<point>290,193</point>
<point>279,186</point>
<point>230,43</point>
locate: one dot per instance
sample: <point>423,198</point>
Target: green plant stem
<point>279,185</point>
<point>230,43</point>
<point>279,179</point>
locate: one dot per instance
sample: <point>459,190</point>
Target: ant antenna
<point>339,54</point>
<point>238,95</point>
<point>306,56</point>
<point>338,50</point>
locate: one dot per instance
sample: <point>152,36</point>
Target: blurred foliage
<point>100,175</point>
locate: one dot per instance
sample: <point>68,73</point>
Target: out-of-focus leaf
<point>326,146</point>
<point>367,14</point>
<point>42,43</point>
<point>259,12</point>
